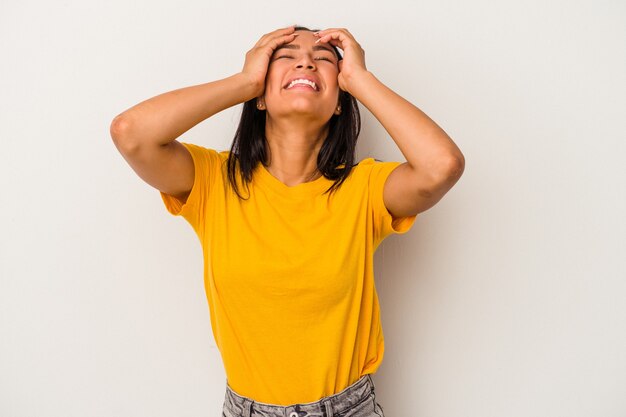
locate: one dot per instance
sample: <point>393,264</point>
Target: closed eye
<point>319,58</point>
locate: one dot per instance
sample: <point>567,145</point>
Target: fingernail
<point>318,40</point>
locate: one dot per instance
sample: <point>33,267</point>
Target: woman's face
<point>317,96</point>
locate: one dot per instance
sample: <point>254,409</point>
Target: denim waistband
<point>325,407</point>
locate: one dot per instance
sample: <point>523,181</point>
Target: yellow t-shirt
<point>289,276</point>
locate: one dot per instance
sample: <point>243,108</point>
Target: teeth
<point>302,81</point>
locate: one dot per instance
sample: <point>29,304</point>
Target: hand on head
<point>258,58</point>
<point>353,61</point>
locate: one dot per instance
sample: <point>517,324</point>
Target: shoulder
<point>192,147</point>
<point>202,154</point>
<point>364,166</point>
<point>371,168</point>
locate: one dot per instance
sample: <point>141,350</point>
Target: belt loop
<point>329,408</point>
<point>247,407</point>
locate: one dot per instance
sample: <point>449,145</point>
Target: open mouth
<point>302,83</point>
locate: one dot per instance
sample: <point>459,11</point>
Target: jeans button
<point>293,414</point>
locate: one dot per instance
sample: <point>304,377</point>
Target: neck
<point>293,149</point>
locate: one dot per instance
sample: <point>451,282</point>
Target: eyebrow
<point>315,48</point>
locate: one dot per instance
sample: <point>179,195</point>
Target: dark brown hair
<point>335,159</point>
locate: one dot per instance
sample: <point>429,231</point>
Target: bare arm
<point>434,162</point>
<point>146,133</point>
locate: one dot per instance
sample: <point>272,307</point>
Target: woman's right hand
<point>258,58</point>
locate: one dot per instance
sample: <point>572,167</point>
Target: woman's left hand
<point>353,63</point>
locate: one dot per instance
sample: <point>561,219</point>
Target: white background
<point>508,298</point>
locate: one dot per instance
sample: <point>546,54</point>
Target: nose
<point>305,61</point>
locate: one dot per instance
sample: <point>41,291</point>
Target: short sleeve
<point>207,172</point>
<point>384,223</point>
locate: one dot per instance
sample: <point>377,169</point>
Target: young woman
<point>287,220</point>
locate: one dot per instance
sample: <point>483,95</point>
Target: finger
<point>275,33</point>
<point>337,44</point>
<point>334,30</point>
<point>327,32</point>
<point>281,31</point>
<point>276,42</point>
<point>336,38</point>
<point>331,30</point>
<point>280,36</point>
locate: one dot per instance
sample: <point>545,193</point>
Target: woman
<point>288,223</point>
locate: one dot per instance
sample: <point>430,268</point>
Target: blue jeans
<point>358,400</point>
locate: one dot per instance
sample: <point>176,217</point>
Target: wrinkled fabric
<point>289,276</point>
<point>358,400</point>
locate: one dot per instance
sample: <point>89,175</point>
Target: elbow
<point>119,126</point>
<point>440,178</point>
<point>450,169</point>
<point>120,133</point>
<point>456,166</point>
